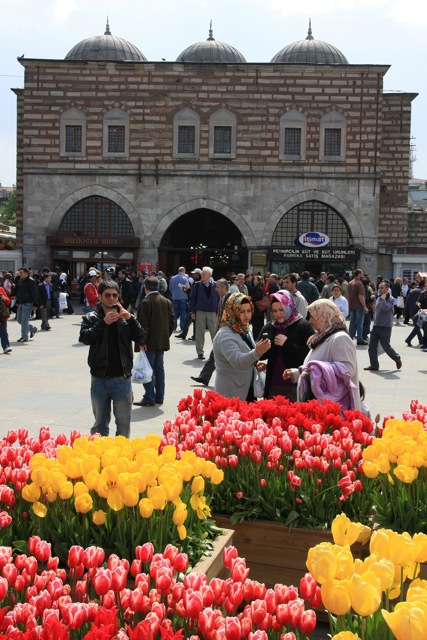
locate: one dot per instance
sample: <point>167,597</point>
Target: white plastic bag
<point>63,300</point>
<point>142,371</point>
<point>259,383</point>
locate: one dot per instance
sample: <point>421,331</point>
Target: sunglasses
<point>111,295</point>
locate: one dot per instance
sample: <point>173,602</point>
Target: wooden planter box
<point>212,565</point>
<point>274,553</point>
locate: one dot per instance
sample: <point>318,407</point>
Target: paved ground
<point>46,381</point>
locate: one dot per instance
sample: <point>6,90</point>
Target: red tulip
<point>307,586</point>
<point>239,572</point>
<point>92,557</point>
<point>119,576</point>
<point>144,552</point>
<point>75,614</point>
<point>230,554</point>
<point>10,572</point>
<point>193,603</point>
<point>74,556</point>
<point>259,611</point>
<point>233,629</point>
<point>181,563</point>
<point>102,581</point>
<point>207,621</point>
<point>308,622</point>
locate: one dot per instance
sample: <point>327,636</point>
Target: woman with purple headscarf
<point>288,333</point>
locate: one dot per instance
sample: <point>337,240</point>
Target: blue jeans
<point>416,331</point>
<point>155,390</point>
<point>356,323</point>
<point>381,335</point>
<point>23,317</point>
<point>103,391</point>
<point>4,335</point>
<point>179,307</point>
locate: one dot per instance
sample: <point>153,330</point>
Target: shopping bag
<point>142,371</point>
<point>63,300</point>
<point>259,384</point>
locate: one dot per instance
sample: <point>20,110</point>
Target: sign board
<point>342,254</point>
<point>314,239</point>
<point>147,266</point>
<point>259,258</point>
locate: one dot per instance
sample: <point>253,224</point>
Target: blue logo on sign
<point>314,239</point>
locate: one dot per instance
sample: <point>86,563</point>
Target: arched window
<point>186,134</point>
<point>116,134</point>
<point>73,133</point>
<point>97,217</point>
<point>293,136</point>
<point>222,135</point>
<point>333,137</point>
<point>311,216</point>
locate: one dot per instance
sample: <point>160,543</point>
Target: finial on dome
<point>310,33</point>
<point>211,32</point>
<point>107,29</point>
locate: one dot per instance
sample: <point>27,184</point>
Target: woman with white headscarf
<point>330,368</point>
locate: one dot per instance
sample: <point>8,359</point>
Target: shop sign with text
<point>343,254</point>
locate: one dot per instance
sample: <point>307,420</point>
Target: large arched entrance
<point>288,254</point>
<point>203,237</point>
<point>95,231</point>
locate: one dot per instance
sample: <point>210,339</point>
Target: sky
<point>390,32</point>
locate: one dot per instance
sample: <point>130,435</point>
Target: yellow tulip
<point>344,531</point>
<point>146,508</point>
<point>31,492</point>
<point>115,499</point>
<point>383,463</point>
<point>57,479</point>
<point>91,479</point>
<point>80,488</point>
<point>83,503</point>
<point>182,532</point>
<point>179,516</point>
<point>130,495</point>
<point>168,453</point>
<point>64,453</point>
<point>51,495</point>
<point>99,517</point>
<point>322,562</point>
<point>198,485</point>
<point>370,469</point>
<point>149,475</point>
<point>380,543</point>
<point>66,490</point>
<point>158,497</point>
<point>40,509</point>
<point>40,476</point>
<point>345,635</point>
<point>384,569</point>
<point>336,597</point>
<point>90,463</point>
<point>345,562</point>
<point>406,474</point>
<point>217,476</point>
<point>74,468</point>
<point>402,549</point>
<point>365,593</point>
<point>407,622</point>
<point>417,591</point>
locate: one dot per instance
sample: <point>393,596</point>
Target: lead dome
<point>106,47</point>
<point>310,51</point>
<point>210,50</point>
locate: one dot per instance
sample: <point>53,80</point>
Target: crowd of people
<point>271,335</point>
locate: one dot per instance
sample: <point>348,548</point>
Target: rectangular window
<point>186,139</point>
<point>222,140</point>
<point>116,139</point>
<point>332,142</point>
<point>292,141</point>
<point>73,138</point>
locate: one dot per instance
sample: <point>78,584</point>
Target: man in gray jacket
<point>381,330</point>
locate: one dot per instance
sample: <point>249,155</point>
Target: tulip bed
<point>296,463</point>
<point>361,595</point>
<point>40,603</point>
<point>111,492</point>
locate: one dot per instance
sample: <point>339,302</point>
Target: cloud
<point>63,9</point>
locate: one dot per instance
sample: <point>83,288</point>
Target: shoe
<point>46,328</point>
<point>362,343</point>
<point>201,356</point>
<point>193,338</point>
<point>7,350</point>
<point>408,344</point>
<point>144,403</point>
<point>371,368</point>
<point>159,402</point>
<point>180,336</point>
<point>399,364</point>
<point>425,350</point>
<point>199,381</point>
<point>33,332</point>
<point>22,340</point>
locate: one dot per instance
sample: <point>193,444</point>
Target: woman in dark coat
<point>288,333</point>
<point>258,317</point>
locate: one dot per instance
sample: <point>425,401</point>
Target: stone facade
<point>254,188</point>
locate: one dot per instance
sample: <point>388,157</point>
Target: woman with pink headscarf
<point>288,333</point>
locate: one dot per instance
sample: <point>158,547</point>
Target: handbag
<point>142,371</point>
<point>400,304</point>
<point>4,311</point>
<point>421,318</point>
<point>262,304</point>
<point>259,384</point>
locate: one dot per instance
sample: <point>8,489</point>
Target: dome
<point>310,51</point>
<point>106,47</point>
<point>210,50</point>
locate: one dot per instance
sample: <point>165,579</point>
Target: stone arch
<point>313,194</point>
<point>94,190</point>
<point>203,203</point>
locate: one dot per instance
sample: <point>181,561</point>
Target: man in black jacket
<point>46,299</point>
<point>109,331</point>
<point>27,299</point>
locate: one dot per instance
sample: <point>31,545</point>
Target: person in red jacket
<point>4,316</point>
<point>91,290</point>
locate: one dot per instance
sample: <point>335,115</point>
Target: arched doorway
<point>288,254</point>
<point>203,237</point>
<point>95,231</point>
